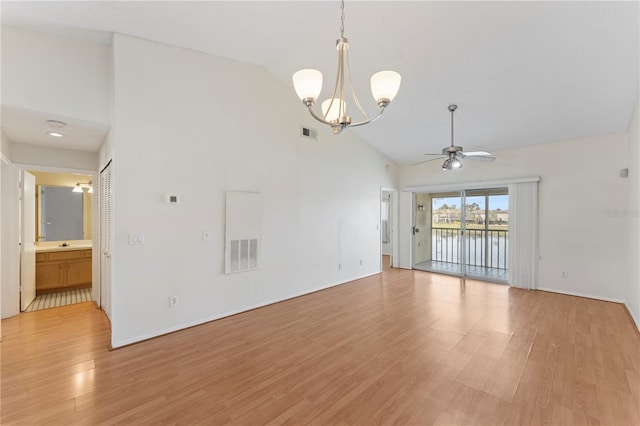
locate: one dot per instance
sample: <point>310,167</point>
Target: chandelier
<point>308,84</point>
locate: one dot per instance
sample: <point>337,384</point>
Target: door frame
<point>27,239</point>
<point>95,218</point>
<point>394,213</point>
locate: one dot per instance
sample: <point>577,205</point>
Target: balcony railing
<point>485,248</point>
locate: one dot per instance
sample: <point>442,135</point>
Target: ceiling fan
<point>454,154</point>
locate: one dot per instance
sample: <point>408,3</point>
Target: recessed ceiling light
<point>56,124</point>
<point>55,134</point>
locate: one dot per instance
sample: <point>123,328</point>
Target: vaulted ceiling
<point>520,72</point>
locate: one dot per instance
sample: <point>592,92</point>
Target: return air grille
<point>243,255</point>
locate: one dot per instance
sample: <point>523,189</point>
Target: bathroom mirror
<point>61,214</point>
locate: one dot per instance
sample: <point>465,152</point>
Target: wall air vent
<point>308,133</point>
<point>243,231</point>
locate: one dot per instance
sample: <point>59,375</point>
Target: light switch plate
<point>136,239</point>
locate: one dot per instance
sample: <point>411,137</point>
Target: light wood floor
<point>403,347</point>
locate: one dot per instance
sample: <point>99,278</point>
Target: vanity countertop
<point>47,249</point>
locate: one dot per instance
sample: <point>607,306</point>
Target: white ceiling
<point>520,72</point>
<point>26,126</point>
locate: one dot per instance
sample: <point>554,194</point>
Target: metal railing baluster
<point>448,247</point>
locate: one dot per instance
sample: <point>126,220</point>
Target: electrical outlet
<point>173,301</point>
<point>564,274</point>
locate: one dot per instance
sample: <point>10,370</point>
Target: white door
<point>105,239</point>
<point>28,241</point>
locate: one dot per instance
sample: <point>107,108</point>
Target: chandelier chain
<point>342,19</point>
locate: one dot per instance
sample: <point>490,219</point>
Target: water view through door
<point>463,233</point>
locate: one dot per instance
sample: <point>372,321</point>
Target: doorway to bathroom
<point>57,234</point>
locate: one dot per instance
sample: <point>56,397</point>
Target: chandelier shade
<point>385,85</point>
<point>308,83</point>
<point>331,109</point>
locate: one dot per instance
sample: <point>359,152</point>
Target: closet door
<point>105,239</point>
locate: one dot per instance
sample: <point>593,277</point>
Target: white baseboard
<point>200,321</point>
<point>635,318</point>
<point>588,296</point>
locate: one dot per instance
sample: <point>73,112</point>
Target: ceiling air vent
<point>308,133</point>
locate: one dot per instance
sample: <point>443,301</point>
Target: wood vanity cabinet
<point>58,270</point>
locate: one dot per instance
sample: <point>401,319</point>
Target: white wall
<point>5,145</point>
<point>578,196</point>
<point>195,125</point>
<point>105,153</point>
<point>47,73</point>
<point>36,155</point>
<point>9,248</point>
<point>632,216</point>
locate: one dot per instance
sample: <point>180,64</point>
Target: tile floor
<point>61,298</point>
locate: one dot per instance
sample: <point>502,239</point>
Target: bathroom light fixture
<point>55,134</point>
<point>308,84</point>
<point>80,186</point>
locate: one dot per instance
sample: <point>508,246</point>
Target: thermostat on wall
<point>172,199</point>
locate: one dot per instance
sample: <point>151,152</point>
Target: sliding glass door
<point>438,233</point>
<point>463,233</point>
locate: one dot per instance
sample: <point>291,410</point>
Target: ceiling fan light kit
<point>454,154</point>
<point>308,84</point>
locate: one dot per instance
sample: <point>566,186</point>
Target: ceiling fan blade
<point>430,159</point>
<point>476,154</point>
<point>485,158</point>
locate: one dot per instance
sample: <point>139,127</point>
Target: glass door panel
<point>438,233</point>
<point>421,231</point>
<point>487,213</point>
